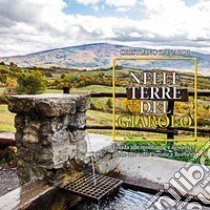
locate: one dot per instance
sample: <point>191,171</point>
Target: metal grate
<point>85,186</point>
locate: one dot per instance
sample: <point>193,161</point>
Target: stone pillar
<point>47,149</point>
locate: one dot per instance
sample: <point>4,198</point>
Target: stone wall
<point>47,149</point>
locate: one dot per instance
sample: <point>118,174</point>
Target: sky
<point>28,26</point>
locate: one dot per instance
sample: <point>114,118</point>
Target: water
<point>92,159</point>
<point>125,199</point>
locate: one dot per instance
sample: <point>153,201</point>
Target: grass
<point>3,67</point>
<point>199,144</point>
<point>2,89</point>
<point>93,116</point>
<point>100,118</point>
<point>88,89</point>
<point>6,119</point>
<point>94,89</point>
<point>97,118</point>
<point>53,91</point>
<point>97,89</point>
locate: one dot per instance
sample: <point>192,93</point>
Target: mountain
<point>101,54</point>
<point>84,56</point>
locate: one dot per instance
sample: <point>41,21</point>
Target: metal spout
<point>74,127</point>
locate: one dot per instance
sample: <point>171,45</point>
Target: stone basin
<point>49,154</point>
<point>147,174</point>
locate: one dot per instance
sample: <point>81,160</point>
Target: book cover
<point>104,104</point>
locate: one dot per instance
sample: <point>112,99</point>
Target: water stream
<point>125,199</point>
<point>92,159</point>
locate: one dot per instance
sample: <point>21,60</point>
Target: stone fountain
<point>49,153</point>
<point>47,149</point>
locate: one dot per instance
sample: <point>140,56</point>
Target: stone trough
<point>50,155</point>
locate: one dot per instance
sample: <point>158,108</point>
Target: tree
<point>62,76</point>
<point>12,64</point>
<point>31,83</point>
<point>71,80</point>
<point>3,78</point>
<point>48,74</point>
<point>11,81</point>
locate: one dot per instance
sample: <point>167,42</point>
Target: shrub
<point>31,83</point>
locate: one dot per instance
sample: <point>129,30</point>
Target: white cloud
<point>33,25</point>
<point>120,3</point>
<point>178,20</point>
<point>135,34</point>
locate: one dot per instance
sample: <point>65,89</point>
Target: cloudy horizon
<point>29,26</point>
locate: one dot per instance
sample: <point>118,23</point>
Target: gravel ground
<point>8,180</point>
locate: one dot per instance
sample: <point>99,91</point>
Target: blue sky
<point>101,9</point>
<point>28,26</point>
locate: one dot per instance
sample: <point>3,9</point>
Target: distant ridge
<point>99,55</point>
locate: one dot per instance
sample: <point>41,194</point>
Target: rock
<point>46,147</point>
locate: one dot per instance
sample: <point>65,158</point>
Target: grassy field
<point>3,67</point>
<point>93,116</point>
<point>89,89</point>
<point>100,118</point>
<point>54,91</point>
<point>2,89</point>
<point>100,113</point>
<point>6,119</point>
